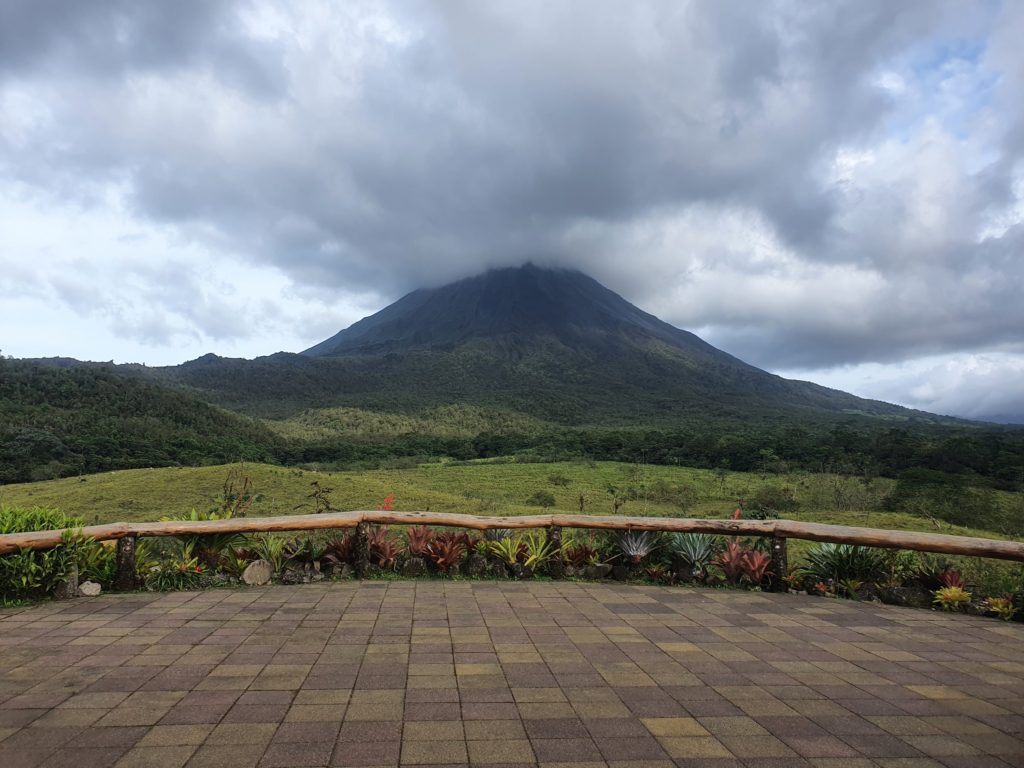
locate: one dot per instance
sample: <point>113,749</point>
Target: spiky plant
<point>839,562</point>
<point>419,539</point>
<point>951,598</point>
<point>497,534</point>
<point>636,545</point>
<point>538,550</point>
<point>696,550</point>
<point>446,553</point>
<point>507,550</point>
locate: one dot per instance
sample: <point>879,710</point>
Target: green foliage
<point>273,549</point>
<point>182,571</point>
<point>28,574</point>
<point>775,499</point>
<point>843,562</point>
<point>56,422</point>
<point>97,561</point>
<point>955,499</point>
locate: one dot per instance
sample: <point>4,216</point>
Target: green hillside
<point>497,488</point>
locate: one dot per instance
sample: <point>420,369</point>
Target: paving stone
<point>550,674</point>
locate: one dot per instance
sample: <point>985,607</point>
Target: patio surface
<point>429,672</point>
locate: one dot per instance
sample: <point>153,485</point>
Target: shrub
<point>36,573</point>
<point>541,499</point>
<point>775,499</point>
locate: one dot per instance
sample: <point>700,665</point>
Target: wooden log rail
<point>776,529</point>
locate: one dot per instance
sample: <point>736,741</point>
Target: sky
<point>831,191</point>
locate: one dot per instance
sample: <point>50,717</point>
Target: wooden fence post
<point>556,566</point>
<point>362,550</point>
<point>780,564</point>
<point>125,579</point>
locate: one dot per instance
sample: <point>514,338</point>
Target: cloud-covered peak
<point>808,185</point>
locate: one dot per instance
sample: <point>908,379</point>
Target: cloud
<point>807,185</point>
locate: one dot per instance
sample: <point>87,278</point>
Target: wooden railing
<point>783,529</point>
<point>779,531</point>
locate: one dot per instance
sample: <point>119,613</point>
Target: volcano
<point>559,345</point>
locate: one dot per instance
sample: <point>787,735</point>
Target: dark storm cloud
<point>382,146</point>
<point>115,38</point>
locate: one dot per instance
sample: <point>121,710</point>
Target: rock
<point>68,588</point>
<point>475,565</point>
<point>620,573</point>
<point>294,576</point>
<point>346,571</point>
<point>556,568</point>
<point>89,589</point>
<point>599,571</point>
<point>414,566</point>
<point>258,573</point>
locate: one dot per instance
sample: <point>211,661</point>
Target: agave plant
<point>840,562</point>
<point>636,545</point>
<point>695,550</point>
<point>497,534</point>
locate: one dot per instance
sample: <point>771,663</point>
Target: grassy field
<point>476,488</point>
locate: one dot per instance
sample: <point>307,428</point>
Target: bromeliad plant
<point>1002,607</point>
<point>384,548</point>
<point>738,564</point>
<point>419,538</point>
<point>446,552</point>
<point>952,598</point>
<point>537,550</point>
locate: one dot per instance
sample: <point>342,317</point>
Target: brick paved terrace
<point>550,674</point>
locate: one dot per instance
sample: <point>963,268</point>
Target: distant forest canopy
<point>61,421</point>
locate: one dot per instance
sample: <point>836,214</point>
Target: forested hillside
<point>56,422</point>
